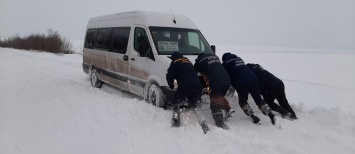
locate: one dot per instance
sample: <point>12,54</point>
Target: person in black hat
<point>218,83</point>
<point>273,88</point>
<point>244,82</point>
<point>189,86</point>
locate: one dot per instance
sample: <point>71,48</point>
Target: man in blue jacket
<point>189,86</point>
<point>218,82</point>
<point>273,88</point>
<point>244,82</point>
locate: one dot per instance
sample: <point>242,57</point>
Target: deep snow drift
<point>48,106</point>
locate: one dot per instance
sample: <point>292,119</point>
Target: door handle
<point>133,59</point>
<point>125,58</point>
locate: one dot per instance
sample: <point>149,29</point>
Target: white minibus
<point>131,51</point>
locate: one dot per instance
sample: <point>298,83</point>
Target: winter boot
<point>201,119</point>
<point>175,122</point>
<point>272,117</point>
<point>219,120</point>
<point>204,127</point>
<point>249,112</point>
<point>224,126</point>
<point>267,111</point>
<point>256,120</point>
<point>176,119</point>
<point>229,114</point>
<point>247,109</point>
<point>293,117</point>
<point>284,113</point>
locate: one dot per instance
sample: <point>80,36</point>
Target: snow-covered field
<point>48,106</point>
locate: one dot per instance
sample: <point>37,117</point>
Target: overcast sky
<point>325,24</point>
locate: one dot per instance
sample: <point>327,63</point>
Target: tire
<point>95,81</point>
<point>155,95</point>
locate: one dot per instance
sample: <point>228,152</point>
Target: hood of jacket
<point>228,56</point>
<point>176,55</point>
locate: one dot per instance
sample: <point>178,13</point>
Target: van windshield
<point>186,41</point>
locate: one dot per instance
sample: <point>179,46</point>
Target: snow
<point>47,105</point>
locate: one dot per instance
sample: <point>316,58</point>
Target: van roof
<point>146,18</point>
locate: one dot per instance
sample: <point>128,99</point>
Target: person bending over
<point>218,82</point>
<point>244,82</point>
<point>189,87</point>
<point>272,88</point>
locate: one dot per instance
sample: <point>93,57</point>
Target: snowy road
<point>48,106</point>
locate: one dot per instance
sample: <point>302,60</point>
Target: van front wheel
<point>155,95</point>
<point>95,81</point>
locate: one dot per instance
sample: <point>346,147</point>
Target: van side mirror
<point>213,47</point>
<point>143,50</point>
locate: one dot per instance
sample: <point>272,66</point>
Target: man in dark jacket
<point>218,82</point>
<point>189,86</point>
<point>273,88</point>
<point>244,82</point>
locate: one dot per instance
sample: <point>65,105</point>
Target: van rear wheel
<point>155,95</point>
<point>95,81</point>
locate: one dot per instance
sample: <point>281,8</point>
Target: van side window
<point>90,38</point>
<point>140,37</point>
<point>103,38</point>
<point>141,43</point>
<point>119,39</point>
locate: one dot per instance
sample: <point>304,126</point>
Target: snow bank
<point>48,106</point>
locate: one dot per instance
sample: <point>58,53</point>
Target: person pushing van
<point>189,86</point>
<point>218,83</point>
<point>244,82</point>
<point>273,88</point>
